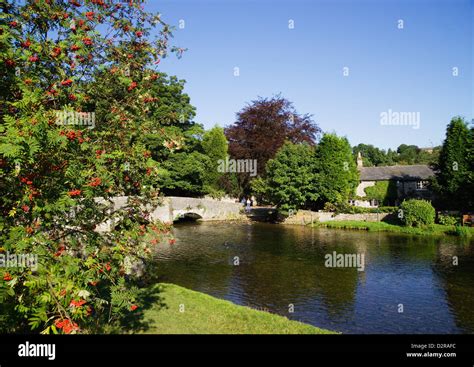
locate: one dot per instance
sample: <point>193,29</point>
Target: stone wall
<point>306,217</point>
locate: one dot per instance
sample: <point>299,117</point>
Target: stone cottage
<point>405,181</point>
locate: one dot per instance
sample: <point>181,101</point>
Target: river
<point>409,284</point>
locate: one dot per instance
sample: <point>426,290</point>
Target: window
<point>420,185</point>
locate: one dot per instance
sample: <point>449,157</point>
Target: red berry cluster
<point>72,135</point>
<point>66,325</point>
<point>73,193</point>
<point>78,303</point>
<point>132,86</point>
<point>87,41</point>
<point>66,83</point>
<point>96,181</point>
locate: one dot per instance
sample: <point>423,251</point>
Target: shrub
<point>330,207</point>
<point>448,220</point>
<point>416,213</point>
<point>462,231</point>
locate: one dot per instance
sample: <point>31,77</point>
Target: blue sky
<point>405,70</point>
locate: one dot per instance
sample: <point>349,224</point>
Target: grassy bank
<point>434,229</point>
<point>204,314</point>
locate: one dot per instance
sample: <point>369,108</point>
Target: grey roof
<point>401,173</point>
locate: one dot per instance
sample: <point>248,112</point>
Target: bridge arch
<point>187,217</point>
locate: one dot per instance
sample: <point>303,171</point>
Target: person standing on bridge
<point>248,205</point>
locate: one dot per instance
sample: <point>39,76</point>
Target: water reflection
<point>281,266</point>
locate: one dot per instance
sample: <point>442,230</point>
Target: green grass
<point>434,229</point>
<point>204,314</point>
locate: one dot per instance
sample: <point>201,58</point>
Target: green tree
<point>391,157</point>
<point>191,168</point>
<point>303,177</point>
<point>337,175</point>
<point>214,145</point>
<point>404,155</point>
<point>470,176</point>
<point>184,174</point>
<point>454,167</point>
<point>371,155</point>
<point>259,188</point>
<point>290,178</point>
<point>428,157</point>
<point>407,154</point>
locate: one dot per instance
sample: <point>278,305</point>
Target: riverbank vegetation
<point>412,217</point>
<point>433,229</point>
<point>183,311</point>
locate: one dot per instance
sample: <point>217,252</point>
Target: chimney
<point>360,163</point>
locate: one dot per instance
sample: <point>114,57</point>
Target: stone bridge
<point>174,208</point>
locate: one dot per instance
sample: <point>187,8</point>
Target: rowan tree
<point>57,180</point>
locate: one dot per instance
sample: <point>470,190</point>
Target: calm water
<point>283,265</point>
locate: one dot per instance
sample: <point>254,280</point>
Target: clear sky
<point>405,70</point>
